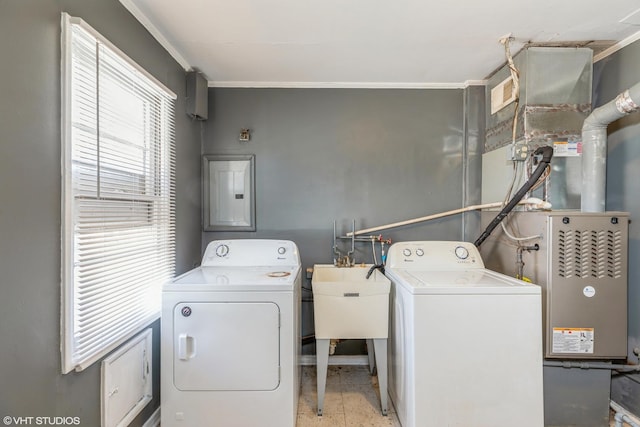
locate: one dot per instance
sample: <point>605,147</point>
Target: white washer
<point>465,343</point>
<point>231,337</point>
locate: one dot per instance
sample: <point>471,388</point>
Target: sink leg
<point>322,360</point>
<point>371,354</point>
<point>380,345</point>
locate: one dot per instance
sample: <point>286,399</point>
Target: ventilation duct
<point>554,100</point>
<point>594,138</point>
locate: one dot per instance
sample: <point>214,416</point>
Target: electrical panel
<point>229,199</point>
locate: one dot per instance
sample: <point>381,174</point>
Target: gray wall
<point>30,380</point>
<point>377,156</point>
<point>612,76</point>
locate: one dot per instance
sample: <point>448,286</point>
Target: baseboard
<point>310,360</point>
<point>153,420</point>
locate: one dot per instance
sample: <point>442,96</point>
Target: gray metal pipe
<point>622,416</point>
<point>594,147</point>
<point>592,365</point>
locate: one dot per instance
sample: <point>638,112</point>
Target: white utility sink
<point>348,305</point>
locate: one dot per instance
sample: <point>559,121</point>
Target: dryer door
<point>226,346</point>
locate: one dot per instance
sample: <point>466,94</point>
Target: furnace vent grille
<point>590,253</point>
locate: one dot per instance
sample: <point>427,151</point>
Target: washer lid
<point>270,278</point>
<point>476,281</point>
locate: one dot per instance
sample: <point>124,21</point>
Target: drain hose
<point>547,153</point>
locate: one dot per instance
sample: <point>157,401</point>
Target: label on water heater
<point>573,340</point>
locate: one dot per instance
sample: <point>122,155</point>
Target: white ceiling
<point>371,43</point>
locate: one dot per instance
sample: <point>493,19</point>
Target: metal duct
<point>594,147</point>
<point>554,97</point>
<point>553,102</point>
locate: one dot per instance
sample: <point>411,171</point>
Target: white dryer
<point>231,338</point>
<point>465,343</point>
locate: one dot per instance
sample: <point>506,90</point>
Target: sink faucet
<point>340,260</point>
<point>344,261</point>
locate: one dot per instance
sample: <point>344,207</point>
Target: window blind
<point>118,196</point>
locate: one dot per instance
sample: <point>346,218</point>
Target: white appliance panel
<point>434,255</point>
<point>214,346</point>
<point>479,362</point>
<point>250,253</point>
<point>465,342</point>
<point>233,359</point>
<point>400,346</point>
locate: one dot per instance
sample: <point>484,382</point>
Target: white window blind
<point>118,195</point>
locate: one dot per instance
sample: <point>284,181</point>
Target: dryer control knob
<point>406,252</point>
<point>419,252</point>
<point>282,250</point>
<point>222,250</point>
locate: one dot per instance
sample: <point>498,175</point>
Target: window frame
<point>69,360</point>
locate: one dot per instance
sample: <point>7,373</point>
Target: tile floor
<point>352,399</point>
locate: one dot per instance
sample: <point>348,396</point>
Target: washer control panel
<point>434,255</point>
<point>222,250</point>
<point>250,252</point>
<point>461,252</point>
